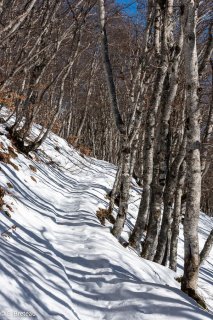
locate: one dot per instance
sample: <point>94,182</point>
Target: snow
<point>61,263</point>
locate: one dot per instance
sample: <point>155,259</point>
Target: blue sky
<point>132,8</point>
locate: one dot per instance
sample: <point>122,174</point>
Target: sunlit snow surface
<point>60,263</point>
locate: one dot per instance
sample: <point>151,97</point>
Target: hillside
<point>58,261</point>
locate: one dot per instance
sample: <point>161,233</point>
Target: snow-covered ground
<point>61,263</point>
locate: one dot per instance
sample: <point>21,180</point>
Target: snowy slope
<point>60,263</point>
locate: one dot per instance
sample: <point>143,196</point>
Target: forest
<point>133,89</point>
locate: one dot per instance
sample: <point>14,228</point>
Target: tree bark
<point>149,245</point>
<point>191,244</point>
<point>124,189</point>
<point>177,217</point>
<point>168,202</point>
<point>108,70</point>
<point>207,247</point>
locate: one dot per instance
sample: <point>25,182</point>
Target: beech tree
<point>191,244</point>
<point>128,130</point>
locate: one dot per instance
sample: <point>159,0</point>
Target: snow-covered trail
<point>60,263</point>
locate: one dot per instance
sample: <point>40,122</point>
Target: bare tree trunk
<point>124,190</point>
<point>207,53</point>
<point>125,150</point>
<point>207,247</point>
<point>89,92</point>
<point>125,143</point>
<point>148,151</point>
<point>108,70</point>
<point>168,202</point>
<point>191,244</point>
<point>115,190</point>
<point>149,246</point>
<point>134,154</point>
<point>177,217</point>
<point>207,135</point>
<point>167,248</point>
<point>160,167</point>
<point>69,119</point>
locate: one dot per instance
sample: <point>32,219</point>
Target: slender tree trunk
<point>108,71</point>
<point>149,245</point>
<point>168,202</point>
<point>124,189</point>
<point>207,135</point>
<point>69,119</point>
<point>167,248</point>
<point>191,244</point>
<point>148,138</point>
<point>177,217</point>
<point>160,167</point>
<point>125,143</point>
<point>89,93</point>
<point>148,151</point>
<point>134,154</point>
<point>207,247</point>
<point>115,190</point>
